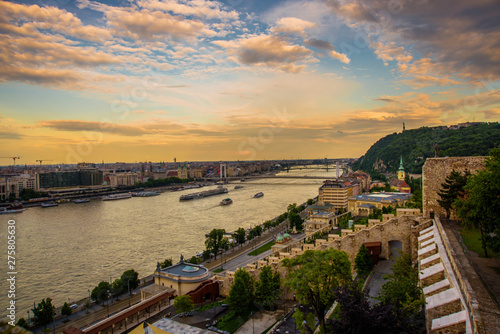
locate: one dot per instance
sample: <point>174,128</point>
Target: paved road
<point>379,271</point>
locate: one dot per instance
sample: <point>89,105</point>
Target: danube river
<point>64,251</point>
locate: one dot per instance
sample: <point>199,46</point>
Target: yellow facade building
<point>183,277</point>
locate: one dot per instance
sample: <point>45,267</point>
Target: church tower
<point>401,170</point>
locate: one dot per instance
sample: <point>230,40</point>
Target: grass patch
<point>231,321</point>
<point>472,240</point>
<point>262,249</point>
<point>209,306</point>
<point>218,270</point>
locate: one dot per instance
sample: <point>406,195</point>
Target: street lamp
<point>128,286</point>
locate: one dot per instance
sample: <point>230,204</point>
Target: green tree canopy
<point>268,288</point>
<point>241,294</point>
<point>239,235</point>
<point>356,316</point>
<point>481,205</point>
<point>295,220</point>
<point>452,189</point>
<point>101,292</point>
<point>130,278</point>
<point>44,312</point>
<point>166,263</point>
<point>22,323</point>
<point>401,288</point>
<point>315,275</point>
<point>363,262</point>
<point>183,304</point>
<point>66,310</point>
<point>117,287</point>
<point>214,240</point>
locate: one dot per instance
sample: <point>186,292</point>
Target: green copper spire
<point>401,164</point>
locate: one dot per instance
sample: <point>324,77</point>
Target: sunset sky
<point>137,80</point>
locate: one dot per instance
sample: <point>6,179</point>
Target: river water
<point>63,251</point>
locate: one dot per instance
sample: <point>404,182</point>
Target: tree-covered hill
<point>418,144</point>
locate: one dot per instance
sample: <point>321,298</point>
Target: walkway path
<point>379,271</point>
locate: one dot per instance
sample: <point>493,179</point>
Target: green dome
<point>286,236</point>
<point>279,238</point>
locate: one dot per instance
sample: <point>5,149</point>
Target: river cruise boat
<point>238,187</point>
<point>12,208</point>
<point>217,191</point>
<point>226,201</point>
<point>81,200</point>
<point>48,204</point>
<point>145,194</point>
<point>257,195</point>
<point>113,197</point>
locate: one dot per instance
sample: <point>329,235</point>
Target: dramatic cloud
<point>292,25</point>
<point>459,37</point>
<point>269,51</point>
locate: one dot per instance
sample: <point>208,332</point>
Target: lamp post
<point>28,317</point>
<point>128,286</point>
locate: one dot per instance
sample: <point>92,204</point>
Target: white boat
<point>257,195</point>
<point>81,200</point>
<point>226,201</point>
<point>113,197</point>
<point>145,194</point>
<point>13,208</point>
<point>48,204</point>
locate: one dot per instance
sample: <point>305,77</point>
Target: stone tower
<point>401,170</point>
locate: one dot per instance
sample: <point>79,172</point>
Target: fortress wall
<point>404,229</point>
<point>435,171</point>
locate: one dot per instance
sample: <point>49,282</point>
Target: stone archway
<point>395,247</point>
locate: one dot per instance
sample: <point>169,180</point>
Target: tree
<point>401,288</point>
<point>44,312</point>
<point>101,292</point>
<point>268,288</point>
<point>363,262</point>
<point>22,323</point>
<point>117,287</point>
<point>315,275</point>
<point>355,316</point>
<point>183,304</point>
<point>130,279</point>
<point>214,239</point>
<point>239,235</point>
<point>481,205</point>
<point>310,201</point>
<point>452,189</point>
<point>166,263</point>
<point>291,207</point>
<point>241,294</point>
<point>66,310</point>
<point>295,220</point>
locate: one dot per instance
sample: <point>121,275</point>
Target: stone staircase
<point>445,311</point>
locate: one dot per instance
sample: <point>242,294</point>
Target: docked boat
<point>226,201</point>
<point>216,191</point>
<point>238,187</point>
<point>257,195</point>
<point>145,194</point>
<point>81,200</point>
<point>48,204</point>
<point>12,208</point>
<point>113,197</point>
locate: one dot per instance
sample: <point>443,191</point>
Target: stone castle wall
<point>434,174</point>
<point>402,229</point>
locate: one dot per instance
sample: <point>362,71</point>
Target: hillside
<point>418,144</point>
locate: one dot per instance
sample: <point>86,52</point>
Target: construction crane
<point>13,158</point>
<point>40,161</point>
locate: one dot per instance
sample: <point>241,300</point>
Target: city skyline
<point>149,80</point>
